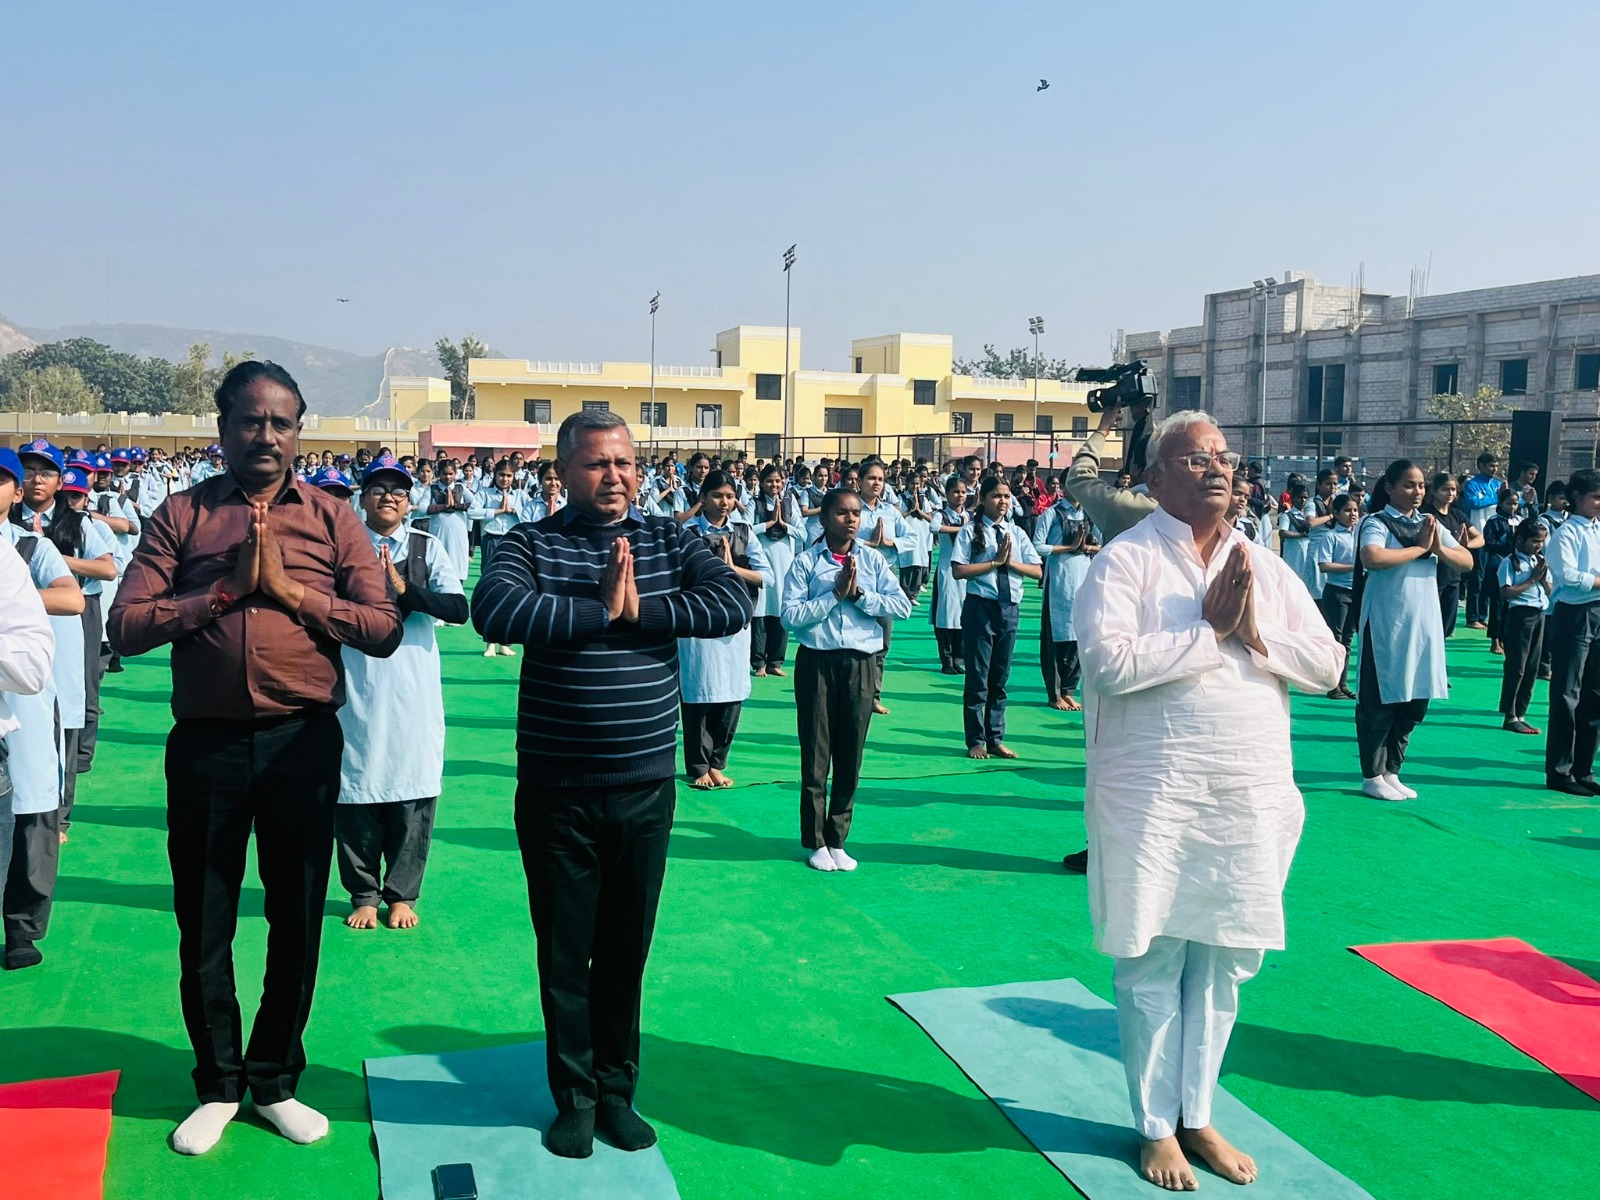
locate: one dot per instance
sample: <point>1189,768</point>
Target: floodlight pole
<point>788,281</point>
<point>655,303</point>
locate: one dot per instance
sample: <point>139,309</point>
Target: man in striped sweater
<point>599,594</point>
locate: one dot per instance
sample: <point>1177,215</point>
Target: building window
<point>1080,426</point>
<point>841,420</point>
<point>1586,375</point>
<point>708,416</point>
<point>858,365</point>
<point>1185,393</point>
<point>1447,379</point>
<point>924,391</point>
<point>1042,424</point>
<point>960,422</point>
<point>660,414</point>
<point>1513,377</point>
<point>1005,423</point>
<point>769,387</point>
<point>536,412</point>
<point>596,406</point>
<point>1325,393</point>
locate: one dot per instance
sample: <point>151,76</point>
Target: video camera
<point>1130,383</point>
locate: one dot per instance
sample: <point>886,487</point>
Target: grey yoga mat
<point>1047,1054</point>
<point>490,1108</point>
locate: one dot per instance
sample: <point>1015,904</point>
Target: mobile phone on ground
<point>455,1181</point>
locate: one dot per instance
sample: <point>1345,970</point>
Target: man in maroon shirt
<point>256,580</point>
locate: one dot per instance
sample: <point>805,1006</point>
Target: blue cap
<point>138,454</point>
<point>43,449</point>
<point>75,479</point>
<point>122,455</point>
<point>386,464</point>
<point>81,458</point>
<point>10,463</point>
<point>102,463</point>
<point>331,479</point>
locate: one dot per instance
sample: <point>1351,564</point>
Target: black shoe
<point>571,1134</point>
<point>624,1128</point>
<point>961,668</point>
<point>114,667</point>
<point>1077,864</point>
<point>1590,782</point>
<point>22,954</point>
<point>1544,675</point>
<point>1567,784</point>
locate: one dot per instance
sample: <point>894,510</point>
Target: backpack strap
<point>415,568</point>
<point>27,545</point>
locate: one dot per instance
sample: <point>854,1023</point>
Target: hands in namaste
<point>1230,602</point>
<point>618,591</point>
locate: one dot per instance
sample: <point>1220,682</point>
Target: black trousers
<point>595,859</point>
<point>1382,730</point>
<point>1450,605</point>
<point>881,658</point>
<point>1522,631</point>
<point>708,731</point>
<point>280,777</point>
<point>487,545</point>
<point>94,629</point>
<point>30,887</point>
<point>769,642</point>
<point>1496,603</point>
<point>988,640</point>
<point>1477,586</point>
<point>949,642</point>
<point>397,833</point>
<point>913,580</point>
<point>833,709</point>
<point>1341,616</point>
<point>1058,661</point>
<point>1574,726</point>
<point>69,774</point>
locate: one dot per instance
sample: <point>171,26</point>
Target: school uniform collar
<point>393,540</point>
<point>1390,510</point>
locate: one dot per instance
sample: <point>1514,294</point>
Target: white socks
<point>202,1128</point>
<point>1378,788</point>
<point>1393,781</point>
<point>295,1121</point>
<point>841,860</point>
<point>821,860</point>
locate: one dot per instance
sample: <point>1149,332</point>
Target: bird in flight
<point>342,299</point>
<point>1043,83</point>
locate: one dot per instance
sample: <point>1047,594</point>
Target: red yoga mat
<point>1543,1007</point>
<point>53,1135</point>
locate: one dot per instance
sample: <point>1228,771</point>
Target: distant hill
<point>336,383</point>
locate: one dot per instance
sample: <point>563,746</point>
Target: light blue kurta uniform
<point>1333,543</point>
<point>393,715</point>
<point>717,670</point>
<point>780,552</point>
<point>948,591</point>
<point>917,549</point>
<point>1400,618</point>
<point>886,516</point>
<point>486,508</point>
<point>452,528</point>
<point>1063,573</point>
<point>1297,551</point>
<point>37,766</point>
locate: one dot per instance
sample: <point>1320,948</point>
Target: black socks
<point>572,1134</point>
<point>624,1128</point>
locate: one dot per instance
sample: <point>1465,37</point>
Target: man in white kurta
<point>1190,636</point>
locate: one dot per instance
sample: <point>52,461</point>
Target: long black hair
<point>1392,475</point>
<point>989,484</point>
<point>65,531</point>
<point>768,508</point>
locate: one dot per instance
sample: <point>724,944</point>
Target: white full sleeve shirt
<point>1191,805</point>
<point>27,644</point>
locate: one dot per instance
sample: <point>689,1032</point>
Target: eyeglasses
<point>1201,459</point>
<point>40,472</point>
<point>378,492</point>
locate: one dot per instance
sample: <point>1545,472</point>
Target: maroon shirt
<point>257,660</point>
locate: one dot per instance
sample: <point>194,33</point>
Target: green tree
<point>195,380</point>
<point>54,389</point>
<point>126,382</point>
<point>1016,364</point>
<point>454,357</point>
<point>1475,431</point>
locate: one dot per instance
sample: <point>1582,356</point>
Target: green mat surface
<point>772,1064</point>
<point>476,1106</point>
<point>1048,1054</point>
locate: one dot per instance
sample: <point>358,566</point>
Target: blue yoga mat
<point>490,1108</point>
<point>1047,1054</point>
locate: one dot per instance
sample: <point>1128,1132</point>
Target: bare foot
<point>1219,1155</point>
<point>977,752</point>
<point>365,917</point>
<point>759,673</point>
<point>880,708</point>
<point>63,837</point>
<point>402,916</point>
<point>778,671</point>
<point>718,779</point>
<point>1001,750</point>
<point>1163,1164</point>
<point>1059,703</point>
<point>703,783</point>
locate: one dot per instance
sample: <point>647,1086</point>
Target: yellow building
<point>897,396</point>
<point>174,431</point>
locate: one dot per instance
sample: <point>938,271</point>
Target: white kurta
<point>1191,804</point>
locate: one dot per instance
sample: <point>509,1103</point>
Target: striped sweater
<point>598,705</point>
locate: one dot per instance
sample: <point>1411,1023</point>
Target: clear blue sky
<point>532,172</point>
